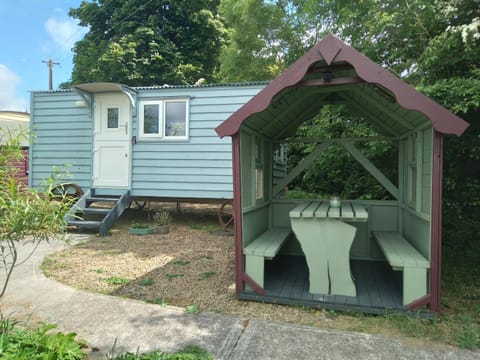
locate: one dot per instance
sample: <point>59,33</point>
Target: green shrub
<point>190,352</point>
<point>39,343</point>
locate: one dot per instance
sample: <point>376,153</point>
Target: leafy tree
<point>25,214</point>
<point>421,40</point>
<point>263,39</point>
<point>432,44</point>
<point>435,45</point>
<point>335,172</point>
<point>145,43</point>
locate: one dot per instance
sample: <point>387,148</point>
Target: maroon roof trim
<point>332,50</point>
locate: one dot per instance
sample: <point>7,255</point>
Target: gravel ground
<point>192,265</point>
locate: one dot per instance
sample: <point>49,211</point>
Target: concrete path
<point>103,320</point>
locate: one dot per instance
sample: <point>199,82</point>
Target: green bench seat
<point>264,247</point>
<point>402,256</point>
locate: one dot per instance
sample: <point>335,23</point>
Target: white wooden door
<point>112,128</point>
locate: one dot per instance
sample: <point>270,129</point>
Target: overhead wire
<point>77,30</point>
<point>102,9</point>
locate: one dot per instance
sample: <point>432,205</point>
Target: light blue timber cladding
<point>62,137</point>
<point>200,167</point>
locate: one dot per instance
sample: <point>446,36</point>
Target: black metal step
<point>85,224</point>
<point>95,211</point>
<point>95,199</point>
<point>97,218</point>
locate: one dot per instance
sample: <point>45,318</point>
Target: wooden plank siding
<point>62,136</point>
<point>200,167</point>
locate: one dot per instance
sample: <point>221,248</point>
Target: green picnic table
<point>326,239</point>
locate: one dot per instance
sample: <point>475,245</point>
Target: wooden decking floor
<point>286,282</point>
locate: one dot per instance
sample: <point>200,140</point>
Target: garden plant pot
<point>141,231</point>
<point>162,229</point>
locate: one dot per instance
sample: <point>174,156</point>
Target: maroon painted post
<point>237,212</point>
<point>436,223</point>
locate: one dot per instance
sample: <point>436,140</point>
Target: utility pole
<point>50,64</point>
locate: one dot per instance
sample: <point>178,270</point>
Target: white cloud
<point>8,83</point>
<point>63,30</point>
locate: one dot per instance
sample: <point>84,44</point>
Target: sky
<point>32,31</point>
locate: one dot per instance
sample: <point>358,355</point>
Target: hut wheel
<point>68,190</point>
<point>225,214</point>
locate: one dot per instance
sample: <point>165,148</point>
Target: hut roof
<point>334,73</point>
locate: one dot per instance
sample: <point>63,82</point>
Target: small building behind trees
<point>15,124</point>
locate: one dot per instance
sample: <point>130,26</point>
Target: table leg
<point>338,239</point>
<point>326,244</point>
<point>315,252</point>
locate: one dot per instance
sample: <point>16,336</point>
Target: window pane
<point>112,118</point>
<point>175,118</point>
<point>150,119</point>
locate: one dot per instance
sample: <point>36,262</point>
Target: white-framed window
<point>163,119</point>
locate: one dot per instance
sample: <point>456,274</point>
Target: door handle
<point>126,128</point>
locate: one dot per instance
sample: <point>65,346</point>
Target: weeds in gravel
<point>115,280</point>
<point>206,275</point>
<point>181,262</point>
<point>173,276</point>
<point>147,282</point>
<point>210,228</point>
<point>50,265</point>
<point>192,309</point>
<point>157,301</point>
<point>99,271</point>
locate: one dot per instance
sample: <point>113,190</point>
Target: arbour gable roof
<point>371,83</point>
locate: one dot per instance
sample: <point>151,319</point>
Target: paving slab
<point>270,340</point>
